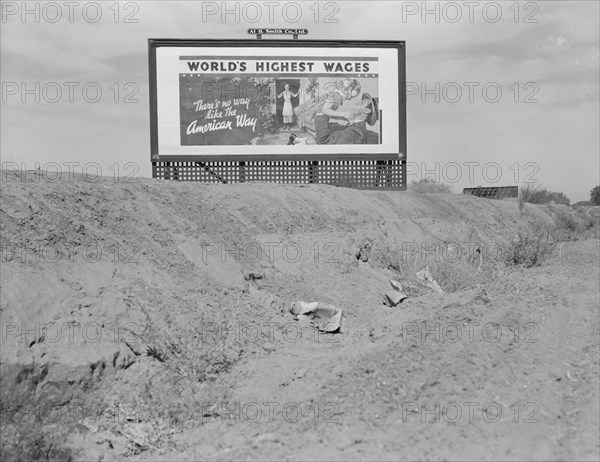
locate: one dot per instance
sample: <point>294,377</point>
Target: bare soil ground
<point>149,320</point>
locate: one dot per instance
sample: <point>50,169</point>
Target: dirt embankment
<point>164,306</point>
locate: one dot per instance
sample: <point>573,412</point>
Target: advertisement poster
<point>277,100</point>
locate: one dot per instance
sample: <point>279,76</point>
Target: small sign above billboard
<point>270,31</point>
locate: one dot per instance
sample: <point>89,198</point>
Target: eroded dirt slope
<point>117,292</point>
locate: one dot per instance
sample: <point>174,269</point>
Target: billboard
<point>276,100</point>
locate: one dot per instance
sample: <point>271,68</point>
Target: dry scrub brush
<point>535,193</point>
<point>533,243</point>
<point>191,351</point>
<point>29,428</point>
<point>428,186</point>
<point>574,224</point>
<point>190,360</point>
<point>465,260</point>
<point>468,260</point>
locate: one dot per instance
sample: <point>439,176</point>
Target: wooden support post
<point>379,168</point>
<point>242,172</point>
<point>313,171</point>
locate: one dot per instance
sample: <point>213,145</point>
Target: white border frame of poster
<point>157,156</point>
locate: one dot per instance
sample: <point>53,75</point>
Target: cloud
<point>557,55</point>
<point>558,41</point>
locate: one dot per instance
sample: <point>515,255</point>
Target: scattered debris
<point>362,253</point>
<point>424,276</point>
<point>136,347</point>
<point>252,276</point>
<point>482,296</point>
<point>328,318</point>
<point>300,372</point>
<point>138,434</point>
<point>267,437</point>
<point>396,285</point>
<point>478,252</point>
<point>395,296</point>
<point>268,346</point>
<point>375,334</point>
<point>89,424</point>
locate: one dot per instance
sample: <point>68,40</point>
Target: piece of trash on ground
<point>393,297</point>
<point>328,318</point>
<point>253,275</point>
<point>424,276</point>
<point>396,285</point>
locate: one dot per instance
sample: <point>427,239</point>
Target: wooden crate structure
<point>493,192</point>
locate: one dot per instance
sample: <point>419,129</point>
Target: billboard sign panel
<point>276,99</point>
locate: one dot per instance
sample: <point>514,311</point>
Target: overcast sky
<point>543,55</point>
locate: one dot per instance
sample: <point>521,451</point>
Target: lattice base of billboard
<point>361,174</point>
